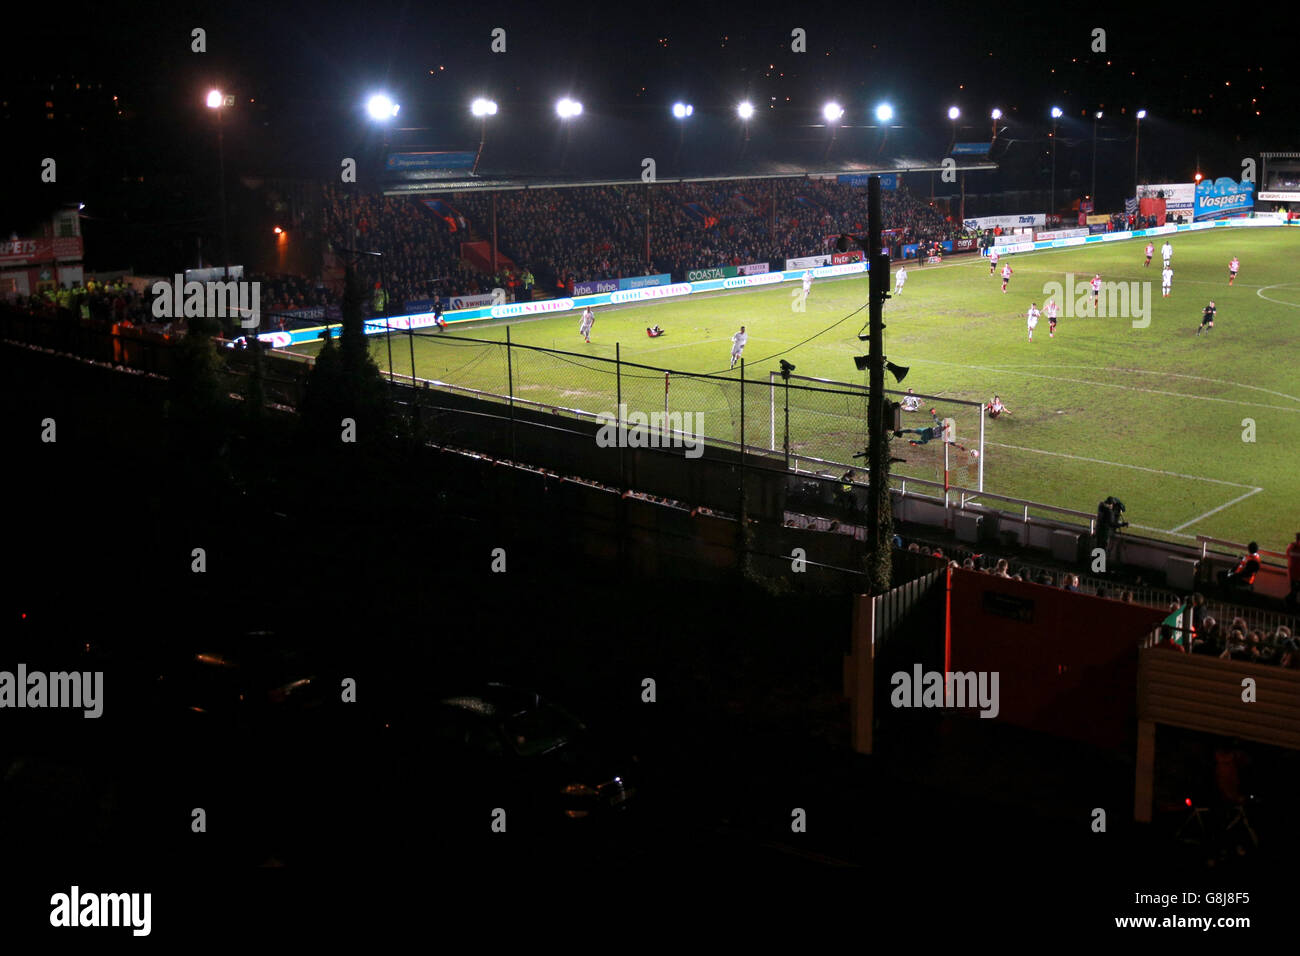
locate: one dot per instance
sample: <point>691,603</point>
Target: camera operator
<point>1110,518</point>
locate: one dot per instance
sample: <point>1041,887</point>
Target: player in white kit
<point>738,345</point>
<point>807,283</point>
<point>1166,280</point>
<point>899,279</point>
<point>1033,319</point>
<point>1167,252</point>
<point>588,320</point>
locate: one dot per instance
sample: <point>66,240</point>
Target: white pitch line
<point>1143,371</point>
<point>1281,285</point>
<point>1217,510</point>
<point>1120,464</point>
<point>1138,278</point>
<point>1127,388</point>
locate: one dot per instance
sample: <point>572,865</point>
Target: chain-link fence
<point>827,425</point>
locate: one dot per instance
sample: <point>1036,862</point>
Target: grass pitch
<point>1196,434</point>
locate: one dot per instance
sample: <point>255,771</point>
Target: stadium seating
<point>566,236</point>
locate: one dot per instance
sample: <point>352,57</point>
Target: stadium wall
<point>1068,662</point>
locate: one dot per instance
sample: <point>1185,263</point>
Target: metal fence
<point>723,408</point>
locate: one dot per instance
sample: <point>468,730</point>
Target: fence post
<point>771,385</point>
<point>510,390</point>
<point>666,404</point>
<point>742,445</point>
<point>618,412</point>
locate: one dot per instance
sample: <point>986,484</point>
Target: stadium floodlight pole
<point>953,114</point>
<point>884,114</point>
<point>482,108</point>
<point>878,501</point>
<point>745,111</point>
<point>1137,134</point>
<point>681,111</point>
<point>832,112</point>
<point>1095,117</point>
<point>1051,198</point>
<point>218,101</point>
<point>381,108</point>
<point>567,109</point>
<point>997,115</point>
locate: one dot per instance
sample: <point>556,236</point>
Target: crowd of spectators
<point>567,236</point>
<point>282,294</point>
<point>421,255</point>
<point>116,302</point>
<point>1239,640</point>
<point>1119,222</point>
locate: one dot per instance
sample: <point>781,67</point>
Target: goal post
<point>827,422</point>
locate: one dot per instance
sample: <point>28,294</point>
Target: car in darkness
<point>473,750</point>
<point>241,685</point>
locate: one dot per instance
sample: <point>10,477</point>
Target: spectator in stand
<point>1206,639</point>
<point>1289,651</point>
<point>1243,575</point>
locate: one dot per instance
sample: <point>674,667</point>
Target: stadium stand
<point>571,235</point>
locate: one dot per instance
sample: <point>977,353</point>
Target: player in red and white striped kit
<point>1096,291</point>
<point>1006,276</point>
<point>1151,249</point>
<point>1233,266</point>
<point>1051,318</point>
<point>993,260</point>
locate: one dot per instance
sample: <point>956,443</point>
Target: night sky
<point>301,73</point>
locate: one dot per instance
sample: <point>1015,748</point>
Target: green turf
<point>1154,415</point>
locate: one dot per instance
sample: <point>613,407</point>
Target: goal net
<point>942,437</point>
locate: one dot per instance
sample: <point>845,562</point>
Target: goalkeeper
<point>930,432</point>
<point>927,434</point>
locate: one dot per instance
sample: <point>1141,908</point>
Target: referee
<point>1207,319</point>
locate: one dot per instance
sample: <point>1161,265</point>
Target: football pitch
<point>1197,434</point>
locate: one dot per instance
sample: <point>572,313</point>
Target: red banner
<point>20,252</point>
<point>840,258</point>
<point>1152,207</point>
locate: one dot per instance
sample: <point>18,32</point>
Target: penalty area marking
<point>1013,370</point>
<point>1142,371</point>
<point>1216,510</point>
<point>1120,464</point>
<point>1253,490</point>
<point>1281,285</point>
